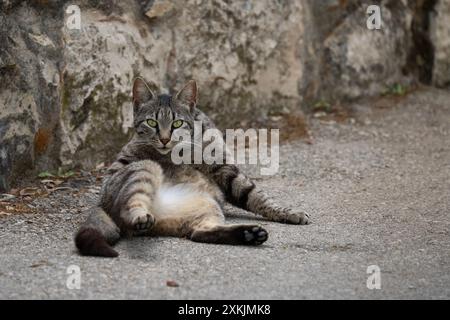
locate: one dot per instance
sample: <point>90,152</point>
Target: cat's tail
<point>97,235</point>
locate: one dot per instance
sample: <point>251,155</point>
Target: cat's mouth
<point>164,150</point>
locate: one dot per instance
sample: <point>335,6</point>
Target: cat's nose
<point>164,141</point>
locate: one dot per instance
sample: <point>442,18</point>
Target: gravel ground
<point>377,187</point>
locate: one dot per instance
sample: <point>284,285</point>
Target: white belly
<point>183,198</point>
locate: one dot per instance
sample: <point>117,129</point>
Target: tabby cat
<point>144,193</point>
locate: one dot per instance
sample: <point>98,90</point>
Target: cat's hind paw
<point>255,235</point>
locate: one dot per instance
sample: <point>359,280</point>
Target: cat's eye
<point>152,123</point>
<point>177,123</point>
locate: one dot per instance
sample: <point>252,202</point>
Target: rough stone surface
<point>440,34</point>
<point>29,97</point>
<point>100,62</point>
<point>377,190</point>
<point>64,94</point>
<point>216,45</point>
<point>359,61</point>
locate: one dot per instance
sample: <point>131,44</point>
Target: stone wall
<point>30,63</point>
<point>65,94</point>
<point>440,37</point>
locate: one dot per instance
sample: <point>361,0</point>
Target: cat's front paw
<point>298,217</point>
<point>141,219</point>
<point>293,217</point>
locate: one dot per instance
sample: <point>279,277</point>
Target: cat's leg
<point>242,192</point>
<point>258,202</point>
<point>234,234</point>
<point>134,197</point>
<point>203,221</point>
<point>97,234</point>
<point>125,205</point>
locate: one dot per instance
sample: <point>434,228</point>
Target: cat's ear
<point>188,95</point>
<point>141,92</point>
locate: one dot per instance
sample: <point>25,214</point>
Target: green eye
<point>152,123</point>
<point>177,123</point>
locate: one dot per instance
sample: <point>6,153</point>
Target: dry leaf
<point>171,283</point>
<point>30,191</point>
<point>62,189</point>
<point>40,263</point>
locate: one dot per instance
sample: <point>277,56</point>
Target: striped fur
<point>144,193</point>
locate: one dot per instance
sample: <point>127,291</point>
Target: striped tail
<point>97,235</point>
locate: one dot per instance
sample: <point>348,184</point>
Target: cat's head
<point>158,118</point>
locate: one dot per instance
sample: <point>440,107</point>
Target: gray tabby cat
<point>144,193</point>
